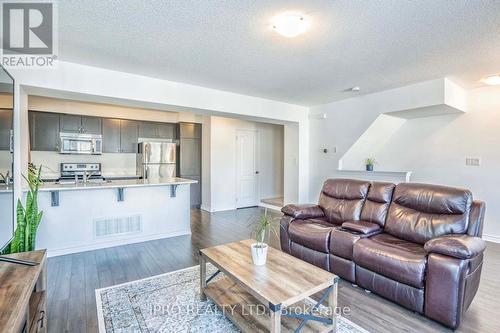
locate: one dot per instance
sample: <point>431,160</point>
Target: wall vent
<point>106,227</point>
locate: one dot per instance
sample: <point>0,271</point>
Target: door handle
<point>256,172</point>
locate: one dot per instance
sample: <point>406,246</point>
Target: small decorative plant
<point>262,231</point>
<point>28,217</point>
<point>369,163</point>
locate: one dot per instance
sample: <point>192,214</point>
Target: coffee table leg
<point>203,277</point>
<point>332,302</point>
<point>275,320</point>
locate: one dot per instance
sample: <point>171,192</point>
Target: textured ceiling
<point>229,45</point>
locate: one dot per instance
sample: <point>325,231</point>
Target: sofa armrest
<point>457,246</point>
<point>303,211</point>
<point>363,227</point>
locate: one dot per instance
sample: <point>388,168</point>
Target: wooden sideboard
<point>23,294</point>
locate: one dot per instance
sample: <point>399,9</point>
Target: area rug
<point>168,303</point>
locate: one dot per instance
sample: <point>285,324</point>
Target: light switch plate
<point>472,161</point>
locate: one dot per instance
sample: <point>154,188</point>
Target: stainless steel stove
<point>72,173</point>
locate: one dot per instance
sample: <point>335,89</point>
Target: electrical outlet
<point>472,161</point>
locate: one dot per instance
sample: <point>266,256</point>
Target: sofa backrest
<point>420,212</point>
<point>377,202</point>
<point>343,199</point>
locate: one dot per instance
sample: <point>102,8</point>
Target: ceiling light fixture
<point>290,24</point>
<point>492,80</point>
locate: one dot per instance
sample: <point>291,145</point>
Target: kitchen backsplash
<point>113,165</point>
<point>5,161</point>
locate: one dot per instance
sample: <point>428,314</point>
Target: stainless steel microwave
<point>77,143</point>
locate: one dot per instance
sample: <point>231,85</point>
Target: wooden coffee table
<point>268,298</point>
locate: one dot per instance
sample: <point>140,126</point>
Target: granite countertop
<point>116,184</point>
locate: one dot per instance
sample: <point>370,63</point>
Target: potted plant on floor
<point>261,233</point>
<point>28,216</point>
<point>369,163</point>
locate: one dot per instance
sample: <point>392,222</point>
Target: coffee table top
<point>283,280</point>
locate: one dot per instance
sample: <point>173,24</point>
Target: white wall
<point>223,160</point>
<point>206,165</point>
<point>434,148</point>
<point>99,85</point>
<point>39,103</point>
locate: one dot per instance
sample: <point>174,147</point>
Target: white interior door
<point>246,169</point>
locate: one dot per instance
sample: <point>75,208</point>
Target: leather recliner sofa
<point>418,245</point>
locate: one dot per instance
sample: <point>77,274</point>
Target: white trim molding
<point>492,238</point>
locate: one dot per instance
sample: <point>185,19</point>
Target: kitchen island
<point>87,216</point>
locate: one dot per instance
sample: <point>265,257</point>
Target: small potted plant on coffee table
<point>261,233</point>
<point>369,163</point>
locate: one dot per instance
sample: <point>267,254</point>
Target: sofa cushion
<point>392,257</point>
<point>311,233</point>
<point>342,243</point>
<point>343,199</point>
<point>377,202</point>
<point>420,212</point>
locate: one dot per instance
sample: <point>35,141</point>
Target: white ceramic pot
<point>259,254</point>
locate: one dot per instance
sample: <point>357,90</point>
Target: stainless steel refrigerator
<point>156,159</point>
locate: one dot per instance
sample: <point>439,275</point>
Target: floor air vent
<point>117,226</point>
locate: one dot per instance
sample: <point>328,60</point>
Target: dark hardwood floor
<point>72,279</point>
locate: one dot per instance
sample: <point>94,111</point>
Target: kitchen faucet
<point>87,175</point>
<point>6,177</point>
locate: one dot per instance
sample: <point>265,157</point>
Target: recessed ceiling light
<point>290,24</point>
<point>492,80</point>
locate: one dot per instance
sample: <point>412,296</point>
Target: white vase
<point>259,254</point>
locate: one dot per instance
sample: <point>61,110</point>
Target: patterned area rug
<point>168,303</point>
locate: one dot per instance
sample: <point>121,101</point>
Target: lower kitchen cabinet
<point>195,191</point>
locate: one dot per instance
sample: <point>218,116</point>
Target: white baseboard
<point>491,238</point>
<point>114,242</point>
<point>268,206</point>
<point>205,208</point>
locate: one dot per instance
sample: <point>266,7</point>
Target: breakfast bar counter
<point>87,216</point>
<point>124,183</point>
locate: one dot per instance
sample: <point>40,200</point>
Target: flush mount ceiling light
<point>290,24</point>
<point>492,80</point>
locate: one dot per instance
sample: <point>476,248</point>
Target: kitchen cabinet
<point>190,130</point>
<point>70,123</point>
<point>128,136</point>
<point>92,125</point>
<point>195,191</point>
<point>110,135</point>
<point>152,130</point>
<point>5,128</point>
<point>44,131</point>
<point>119,136</point>
<point>190,158</point>
<point>80,124</point>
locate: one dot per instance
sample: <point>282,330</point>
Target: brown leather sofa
<point>418,245</point>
